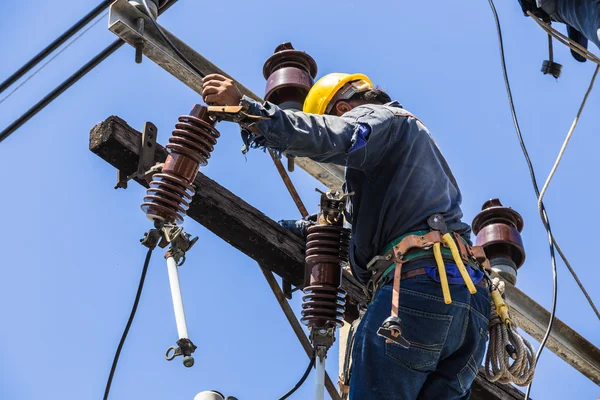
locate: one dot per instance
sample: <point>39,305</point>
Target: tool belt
<point>440,244</point>
<point>418,245</point>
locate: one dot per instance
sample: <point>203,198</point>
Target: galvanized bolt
<point>139,42</point>
<point>188,361</point>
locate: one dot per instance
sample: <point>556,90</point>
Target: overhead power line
<point>68,82</point>
<point>53,58</point>
<point>54,45</point>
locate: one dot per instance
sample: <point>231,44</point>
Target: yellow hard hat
<point>320,96</point>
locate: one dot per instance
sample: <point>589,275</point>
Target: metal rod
<point>288,184</point>
<point>298,330</point>
<point>177,299</point>
<point>320,378</point>
<point>54,45</point>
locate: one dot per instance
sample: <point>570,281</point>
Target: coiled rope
<point>510,357</point>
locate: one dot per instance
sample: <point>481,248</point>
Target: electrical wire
<point>543,213</point>
<point>70,81</point>
<point>529,164</point>
<point>551,175</point>
<point>54,45</point>
<point>166,39</point>
<point>301,381</point>
<point>53,58</point>
<point>129,322</point>
<point>566,142</point>
<point>32,112</point>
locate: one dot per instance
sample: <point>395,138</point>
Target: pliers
<point>436,222</point>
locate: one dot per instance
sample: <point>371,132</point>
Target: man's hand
<point>218,90</point>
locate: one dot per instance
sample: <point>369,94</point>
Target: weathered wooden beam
<point>236,222</point>
<point>483,389</point>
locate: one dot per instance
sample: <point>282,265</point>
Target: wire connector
<point>184,348</point>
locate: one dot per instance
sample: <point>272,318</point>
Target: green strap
<point>446,253</point>
<point>415,254</point>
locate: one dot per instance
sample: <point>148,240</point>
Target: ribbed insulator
<point>324,301</point>
<point>189,147</point>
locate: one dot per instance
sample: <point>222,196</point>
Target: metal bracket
<point>146,165</point>
<point>184,348</point>
<point>181,242</point>
<point>322,337</point>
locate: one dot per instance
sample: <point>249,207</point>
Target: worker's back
<point>402,181</point>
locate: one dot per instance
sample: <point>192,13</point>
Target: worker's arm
<point>354,139</point>
<point>346,140</point>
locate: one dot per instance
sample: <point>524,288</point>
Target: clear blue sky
<point>70,253</point>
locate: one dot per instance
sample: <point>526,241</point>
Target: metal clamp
<point>184,348</point>
<point>146,165</point>
<point>391,330</point>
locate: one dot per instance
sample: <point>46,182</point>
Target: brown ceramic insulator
<point>289,74</point>
<point>498,232</point>
<point>323,300</point>
<point>189,147</point>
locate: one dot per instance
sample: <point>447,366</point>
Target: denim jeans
<point>447,344</point>
<point>583,15</point>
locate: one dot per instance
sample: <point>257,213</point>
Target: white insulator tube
<point>177,300</point>
<point>320,378</point>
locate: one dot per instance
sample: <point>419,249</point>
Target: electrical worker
<point>582,18</point>
<point>400,179</point>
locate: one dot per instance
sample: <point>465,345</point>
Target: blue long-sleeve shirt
<point>393,165</point>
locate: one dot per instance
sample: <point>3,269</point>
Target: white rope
<point>566,142</point>
<point>510,358</point>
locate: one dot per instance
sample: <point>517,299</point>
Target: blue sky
<point>71,258</point>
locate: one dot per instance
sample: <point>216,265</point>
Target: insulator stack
<point>326,250</point>
<point>189,147</point>
<point>289,74</point>
<point>498,231</point>
<point>324,301</point>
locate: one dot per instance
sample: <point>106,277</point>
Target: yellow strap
<point>501,307</point>
<point>459,263</point>
<point>437,253</point>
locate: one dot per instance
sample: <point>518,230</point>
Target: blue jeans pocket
<point>427,333</point>
<point>467,374</point>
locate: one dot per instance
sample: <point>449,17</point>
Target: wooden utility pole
<point>245,228</point>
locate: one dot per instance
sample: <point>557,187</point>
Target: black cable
<point>54,45</point>
<point>68,83</point>
<point>311,364</point>
<point>126,331</point>
<point>543,213</point>
<point>166,39</point>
